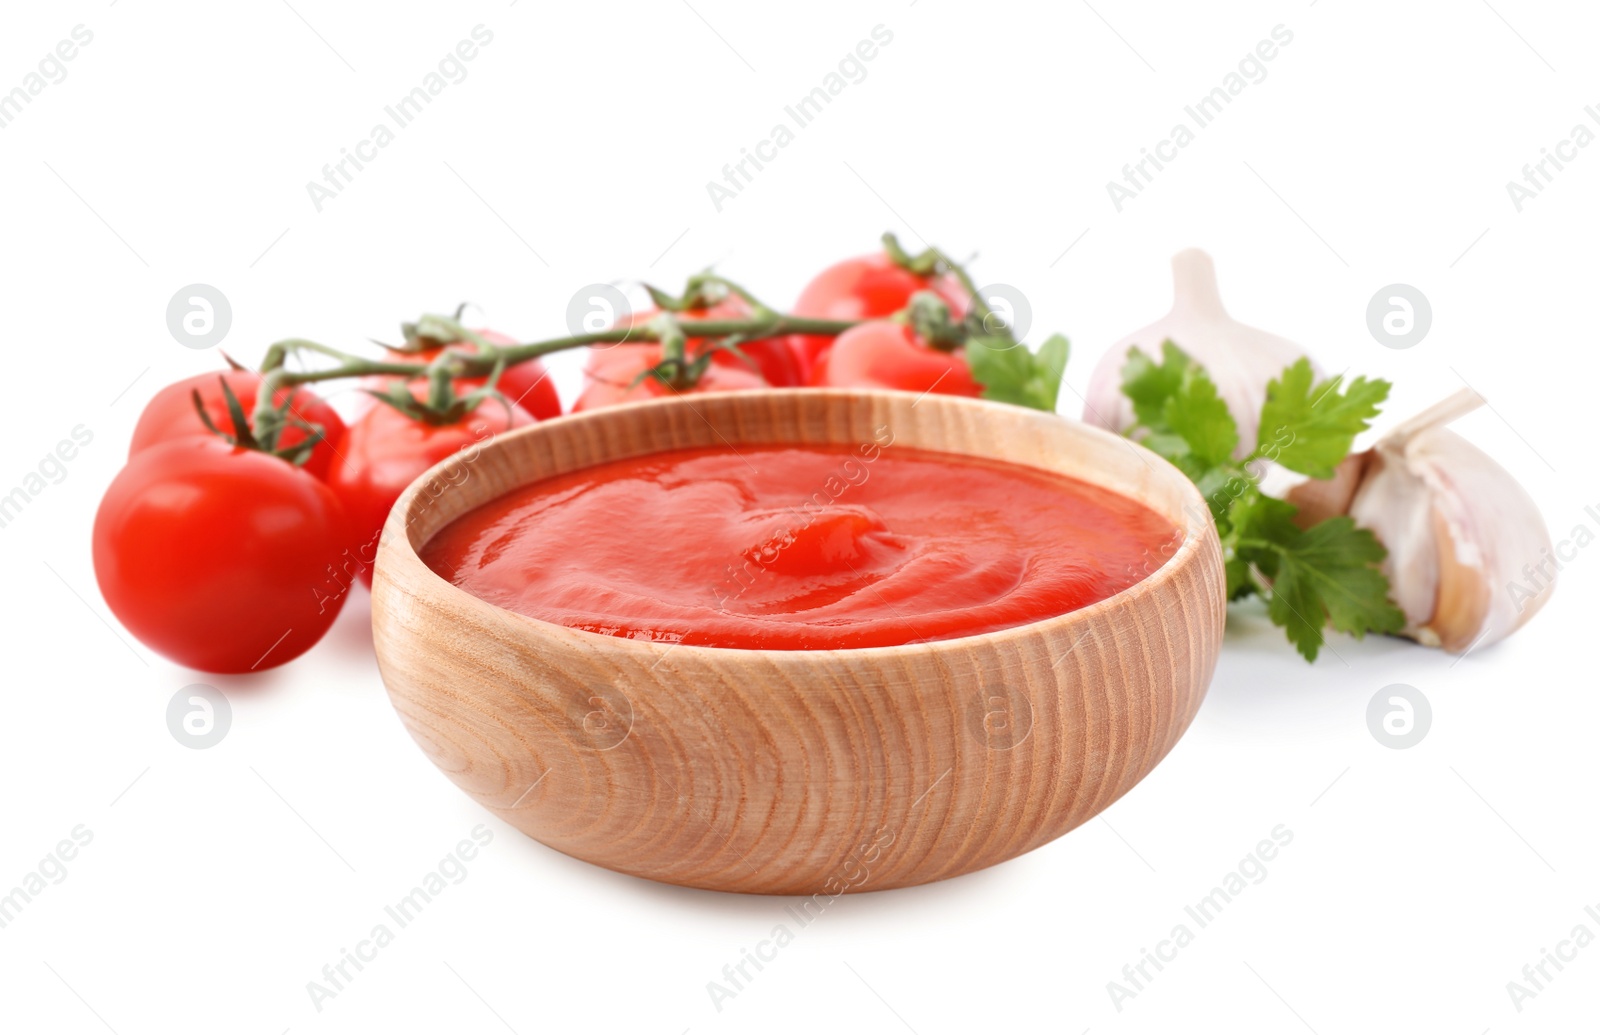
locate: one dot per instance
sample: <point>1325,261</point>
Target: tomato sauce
<point>801,547</point>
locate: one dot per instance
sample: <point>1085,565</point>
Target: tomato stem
<point>929,317</point>
<point>676,367</point>
<point>441,403</point>
<point>934,261</point>
<point>463,364</point>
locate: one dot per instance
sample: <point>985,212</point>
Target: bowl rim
<point>1194,541</point>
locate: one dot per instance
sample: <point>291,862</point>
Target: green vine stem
<point>479,364</point>
<point>669,329</point>
<point>932,261</point>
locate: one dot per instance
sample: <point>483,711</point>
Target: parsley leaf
<point>1326,575</point>
<point>1010,373</point>
<point>1199,416</point>
<point>1182,417</point>
<point>1310,428</point>
<point>1148,384</point>
<point>1311,578</point>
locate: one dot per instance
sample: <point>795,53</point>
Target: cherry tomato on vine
<point>610,371</point>
<point>527,383</point>
<point>773,359</point>
<point>609,374</point>
<point>886,354</point>
<point>864,288</point>
<point>217,557</point>
<point>386,450</point>
<point>171,414</point>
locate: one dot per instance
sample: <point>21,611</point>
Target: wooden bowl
<point>797,772</point>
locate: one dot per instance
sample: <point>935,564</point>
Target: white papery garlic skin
<point>1461,532</point>
<point>1240,360</point>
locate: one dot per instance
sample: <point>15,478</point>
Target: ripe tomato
<point>885,354</point>
<point>773,358</point>
<point>864,288</point>
<point>385,450</point>
<point>171,414</point>
<point>527,384</point>
<point>610,370</point>
<point>609,374</point>
<point>217,557</point>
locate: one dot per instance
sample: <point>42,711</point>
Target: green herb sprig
<point>1311,578</point>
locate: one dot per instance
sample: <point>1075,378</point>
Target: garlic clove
<point>1462,604</point>
<point>1397,507</point>
<point>1461,533</point>
<point>1318,499</point>
<point>1240,359</point>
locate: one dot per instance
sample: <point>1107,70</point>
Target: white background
<point>219,882</point>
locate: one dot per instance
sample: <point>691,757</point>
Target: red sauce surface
<point>801,548</point>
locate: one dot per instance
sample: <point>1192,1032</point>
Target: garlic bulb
<point>1241,360</point>
<point>1463,536</point>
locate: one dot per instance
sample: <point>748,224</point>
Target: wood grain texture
<point>798,772</point>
